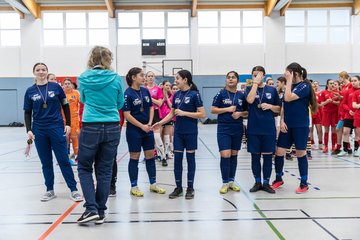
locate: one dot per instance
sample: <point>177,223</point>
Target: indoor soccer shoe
<point>277,184</point>
<point>155,188</point>
<point>234,187</point>
<point>224,189</point>
<point>135,191</point>
<point>48,196</point>
<point>302,189</point>
<point>342,154</point>
<point>267,188</point>
<point>178,192</point>
<point>257,186</point>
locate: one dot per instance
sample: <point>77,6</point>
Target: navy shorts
<point>229,137</point>
<point>136,138</point>
<point>261,143</point>
<point>298,136</point>
<point>185,141</point>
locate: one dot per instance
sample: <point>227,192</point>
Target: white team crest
<point>137,101</point>
<point>51,94</point>
<point>147,99</point>
<point>227,102</point>
<point>187,100</point>
<point>240,101</point>
<point>36,97</point>
<point>268,95</point>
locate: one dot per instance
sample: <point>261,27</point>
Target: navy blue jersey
<point>187,101</point>
<point>138,103</point>
<point>296,113</point>
<point>49,117</point>
<point>226,99</point>
<point>262,122</point>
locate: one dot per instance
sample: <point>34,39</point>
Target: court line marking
<point>199,220</point>
<point>58,221</point>
<point>321,226</point>
<point>269,223</point>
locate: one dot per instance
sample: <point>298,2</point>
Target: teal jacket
<point>102,95</point>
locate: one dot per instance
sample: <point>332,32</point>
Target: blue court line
<point>316,188</point>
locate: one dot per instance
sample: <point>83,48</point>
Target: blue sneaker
<point>72,162</point>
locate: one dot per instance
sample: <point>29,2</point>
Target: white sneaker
<point>76,197</point>
<point>321,146</point>
<point>356,153</point>
<point>169,155</point>
<point>342,154</point>
<point>48,196</point>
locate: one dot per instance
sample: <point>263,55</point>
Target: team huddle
<point>163,123</point>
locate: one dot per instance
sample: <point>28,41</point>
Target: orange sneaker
<point>302,189</point>
<point>326,149</point>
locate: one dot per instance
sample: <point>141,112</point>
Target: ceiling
<point>36,6</point>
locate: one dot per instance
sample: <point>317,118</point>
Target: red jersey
<point>356,99</point>
<point>347,103</point>
<point>330,107</point>
<point>344,89</point>
<point>318,99</point>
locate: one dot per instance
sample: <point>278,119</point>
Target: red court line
<point>120,158</point>
<point>58,221</point>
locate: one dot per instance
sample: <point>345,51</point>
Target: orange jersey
<point>73,98</point>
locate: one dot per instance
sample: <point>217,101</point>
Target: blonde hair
<point>101,57</point>
<point>344,75</point>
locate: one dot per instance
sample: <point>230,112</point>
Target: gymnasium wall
<point>211,62</point>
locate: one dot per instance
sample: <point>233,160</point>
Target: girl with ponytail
<point>187,106</point>
<point>139,112</point>
<point>294,124</point>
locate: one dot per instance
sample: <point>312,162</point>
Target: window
<point>230,27</point>
<point>75,28</point>
<point>317,26</point>
<point>172,26</point>
<point>10,29</point>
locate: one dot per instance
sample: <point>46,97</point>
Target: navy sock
<point>256,166</point>
<point>178,168</point>
<point>303,169</point>
<point>279,166</point>
<point>356,145</point>
<point>345,146</point>
<point>267,167</point>
<point>151,170</point>
<point>190,157</point>
<point>233,166</point>
<point>133,171</point>
<point>225,169</point>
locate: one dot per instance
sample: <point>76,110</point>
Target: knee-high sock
<point>159,145</point>
<point>172,143</point>
<point>178,168</point>
<point>303,168</point>
<point>225,169</point>
<point>333,139</point>
<point>308,145</point>
<point>167,143</point>
<point>133,171</point>
<point>356,145</point>
<point>190,157</point>
<point>75,144</point>
<point>151,170</point>
<point>326,139</point>
<point>256,166</point>
<point>233,166</point>
<point>279,166</point>
<point>267,167</point>
<point>345,146</point>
